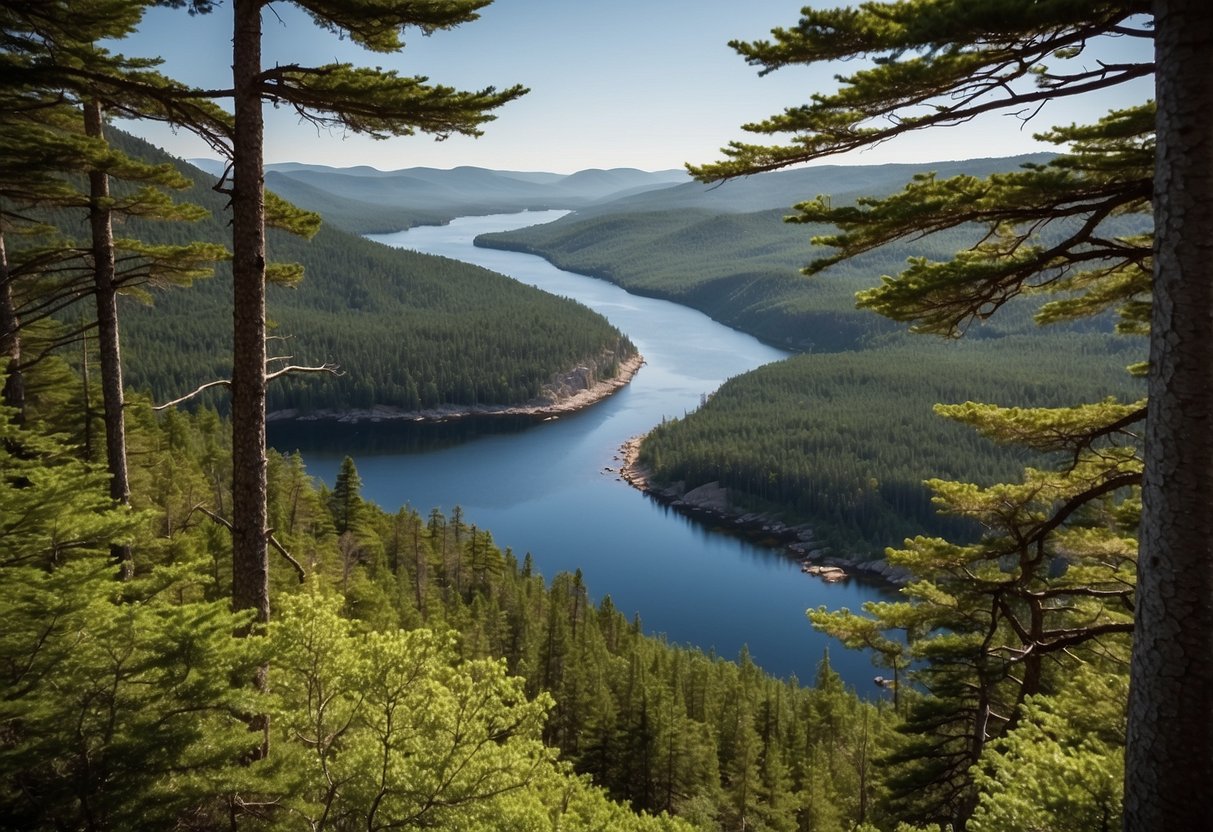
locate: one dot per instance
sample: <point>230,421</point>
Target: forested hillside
<point>726,251</point>
<point>842,438</point>
<point>723,249</point>
<point>433,650</point>
<point>406,330</point>
<point>740,269</point>
<point>846,441</point>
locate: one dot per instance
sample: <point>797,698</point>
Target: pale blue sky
<point>650,84</point>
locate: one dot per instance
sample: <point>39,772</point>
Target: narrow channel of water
<point>552,489</point>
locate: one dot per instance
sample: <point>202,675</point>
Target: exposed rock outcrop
<point>711,501</point>
<point>569,392</point>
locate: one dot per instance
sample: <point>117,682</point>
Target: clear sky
<point>650,84</point>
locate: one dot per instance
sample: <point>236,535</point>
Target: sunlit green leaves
<point>385,728</point>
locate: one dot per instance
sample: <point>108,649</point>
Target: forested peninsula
<point>196,635</point>
<point>404,332</point>
<point>580,388</point>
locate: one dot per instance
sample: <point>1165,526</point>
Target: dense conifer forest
<point>405,330</point>
<point>414,675</point>
<point>846,441</point>
<point>399,634</point>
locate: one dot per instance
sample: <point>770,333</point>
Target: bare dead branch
<point>192,394</point>
<point>327,367</point>
<point>293,368</point>
<point>273,541</point>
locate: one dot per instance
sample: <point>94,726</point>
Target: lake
<point>545,487</point>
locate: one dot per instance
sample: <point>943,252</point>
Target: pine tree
<point>967,59</point>
<point>54,63</point>
<point>364,100</point>
<point>346,498</point>
<point>1170,742</point>
<point>116,698</point>
<point>1063,767</point>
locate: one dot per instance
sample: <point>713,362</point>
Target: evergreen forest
<point>843,436</point>
<point>405,330</point>
<point>197,635</point>
<point>423,677</point>
<point>846,441</point>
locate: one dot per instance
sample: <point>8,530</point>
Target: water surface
<point>552,489</point>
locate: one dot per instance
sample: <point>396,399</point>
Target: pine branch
<point>294,368</point>
<point>273,541</point>
<point>198,390</point>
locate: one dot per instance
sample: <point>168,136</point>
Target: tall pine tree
<point>54,65</point>
<point>364,100</point>
<point>943,62</point>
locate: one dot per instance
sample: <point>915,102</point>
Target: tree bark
<point>250,561</point>
<point>13,392</point>
<point>1169,759</point>
<point>109,352</point>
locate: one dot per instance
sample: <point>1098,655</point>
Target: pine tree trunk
<point>108,348</point>
<point>1169,760</point>
<point>250,567</point>
<point>13,392</point>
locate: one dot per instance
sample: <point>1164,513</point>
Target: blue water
<point>543,487</point>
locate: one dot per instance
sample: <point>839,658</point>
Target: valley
<point>565,424</point>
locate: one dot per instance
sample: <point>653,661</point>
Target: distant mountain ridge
<point>366,200</point>
<point>785,188</point>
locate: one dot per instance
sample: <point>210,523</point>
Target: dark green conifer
<point>1005,602</point>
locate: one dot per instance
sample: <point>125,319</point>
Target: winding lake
<point>544,487</point>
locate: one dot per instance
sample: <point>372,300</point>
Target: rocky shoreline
<point>573,391</point>
<point>711,502</point>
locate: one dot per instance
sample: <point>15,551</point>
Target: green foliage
<point>1062,768</point>
<point>417,648</point>
<point>56,506</point>
<point>933,63</point>
<point>117,707</point>
<point>1049,585</point>
<point>845,441</point>
<point>387,728</point>
<point>665,729</point>
<point>116,697</point>
<point>346,499</point>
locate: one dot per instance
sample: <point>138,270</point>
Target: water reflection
<point>391,436</point>
<point>552,489</point>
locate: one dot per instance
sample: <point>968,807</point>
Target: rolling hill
<point>365,200</point>
<point>408,330</point>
